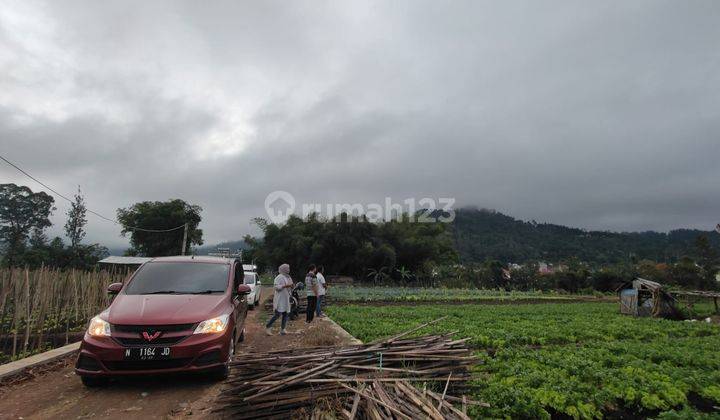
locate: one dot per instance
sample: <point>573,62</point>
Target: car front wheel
<point>222,372</point>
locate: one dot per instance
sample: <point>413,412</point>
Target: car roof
<point>194,259</point>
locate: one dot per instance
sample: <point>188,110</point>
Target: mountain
<point>488,234</point>
<point>482,234</point>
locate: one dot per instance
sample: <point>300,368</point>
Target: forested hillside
<point>487,234</point>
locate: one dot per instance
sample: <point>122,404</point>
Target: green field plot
<point>422,294</point>
<point>579,360</point>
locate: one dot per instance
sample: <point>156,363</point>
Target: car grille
<point>163,328</point>
<point>146,364</point>
<point>132,341</point>
<point>131,335</point>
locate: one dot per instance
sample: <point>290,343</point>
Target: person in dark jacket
<point>311,285</point>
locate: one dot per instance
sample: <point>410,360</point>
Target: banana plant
<point>378,275</point>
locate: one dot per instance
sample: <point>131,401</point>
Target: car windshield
<point>179,278</point>
<point>249,279</point>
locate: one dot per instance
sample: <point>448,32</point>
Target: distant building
<point>544,268</point>
<point>113,260</point>
<point>117,264</point>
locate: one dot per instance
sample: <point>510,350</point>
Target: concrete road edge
<point>340,330</point>
<point>19,366</point>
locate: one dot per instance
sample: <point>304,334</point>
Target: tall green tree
<point>21,211</point>
<point>687,274</point>
<point>160,215</point>
<point>75,225</point>
<point>708,260</point>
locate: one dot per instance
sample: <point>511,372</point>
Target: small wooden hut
<point>642,297</point>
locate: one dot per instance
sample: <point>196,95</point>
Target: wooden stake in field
<point>38,305</point>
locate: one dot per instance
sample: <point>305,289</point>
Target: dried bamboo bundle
<point>371,380</point>
<point>401,400</point>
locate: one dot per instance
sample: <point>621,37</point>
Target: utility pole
<point>184,239</point>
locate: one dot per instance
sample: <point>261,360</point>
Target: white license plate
<point>147,353</point>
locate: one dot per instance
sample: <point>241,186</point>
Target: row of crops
<point>427,294</point>
<point>43,308</point>
<point>579,360</point>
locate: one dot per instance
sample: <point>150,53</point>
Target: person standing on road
<point>281,299</point>
<point>311,284</point>
<point>322,290</point>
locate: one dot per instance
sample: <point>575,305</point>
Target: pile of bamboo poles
<point>401,400</point>
<point>369,380</point>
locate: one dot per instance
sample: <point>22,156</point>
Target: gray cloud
<point>598,115</point>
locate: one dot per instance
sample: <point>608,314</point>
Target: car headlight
<point>214,325</point>
<point>99,327</point>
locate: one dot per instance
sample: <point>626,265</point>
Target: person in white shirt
<point>322,290</point>
<point>281,300</point>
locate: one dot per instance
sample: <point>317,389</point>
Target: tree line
<point>25,215</point>
<point>352,245</point>
<point>400,252</point>
<point>574,276</point>
<point>476,250</point>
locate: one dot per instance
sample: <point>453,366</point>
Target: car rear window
<point>179,278</point>
<point>249,278</point>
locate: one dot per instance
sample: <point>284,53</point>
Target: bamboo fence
<point>46,307</point>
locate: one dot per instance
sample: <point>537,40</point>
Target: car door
<point>258,288</point>
<point>250,281</point>
<point>239,301</point>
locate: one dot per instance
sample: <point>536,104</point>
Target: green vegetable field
<point>433,294</point>
<point>580,360</point>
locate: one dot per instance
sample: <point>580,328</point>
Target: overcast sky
<point>595,114</point>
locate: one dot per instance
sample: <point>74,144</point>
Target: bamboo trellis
<point>42,307</point>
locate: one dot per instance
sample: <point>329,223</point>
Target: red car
<point>175,314</point>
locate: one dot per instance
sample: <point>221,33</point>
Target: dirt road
<point>59,393</point>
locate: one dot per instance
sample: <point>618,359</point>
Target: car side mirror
<point>243,289</point>
<point>114,288</point>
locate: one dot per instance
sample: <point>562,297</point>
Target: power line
<point>134,228</point>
